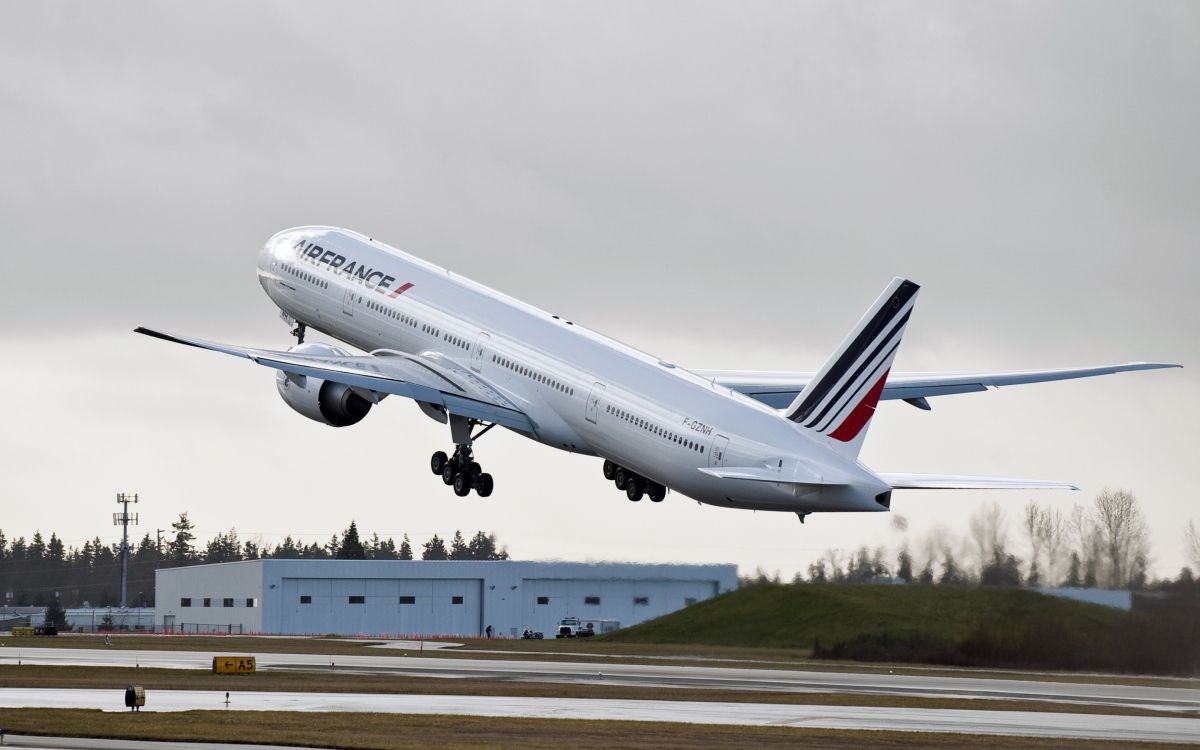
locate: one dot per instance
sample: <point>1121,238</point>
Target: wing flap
<point>434,380</point>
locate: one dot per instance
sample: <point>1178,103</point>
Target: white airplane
<point>474,358</point>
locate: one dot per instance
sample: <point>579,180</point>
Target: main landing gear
<point>460,470</point>
<point>298,332</point>
<point>634,485</point>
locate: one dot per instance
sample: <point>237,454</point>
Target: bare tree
<point>1052,531</point>
<point>1191,544</point>
<point>1032,527</point>
<point>1122,534</point>
<point>988,527</point>
<point>1085,534</point>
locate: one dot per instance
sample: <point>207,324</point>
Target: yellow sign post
<point>233,664</point>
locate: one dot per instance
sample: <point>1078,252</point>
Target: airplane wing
<point>780,389</point>
<point>955,482</point>
<point>433,380</point>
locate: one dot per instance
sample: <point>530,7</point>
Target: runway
<point>649,675</point>
<point>90,743</point>
<point>1004,723</point>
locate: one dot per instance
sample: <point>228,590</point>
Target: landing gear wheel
<point>633,489</point>
<point>483,485</point>
<point>656,492</point>
<point>609,470</point>
<point>462,485</point>
<point>621,477</point>
<point>438,462</point>
<point>448,473</point>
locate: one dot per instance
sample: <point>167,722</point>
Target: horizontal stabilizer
<point>957,482</point>
<point>749,473</point>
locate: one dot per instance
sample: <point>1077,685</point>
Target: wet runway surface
<point>1005,723</point>
<point>651,675</point>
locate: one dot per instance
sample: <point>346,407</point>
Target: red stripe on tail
<point>849,429</point>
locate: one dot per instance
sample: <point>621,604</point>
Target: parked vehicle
<point>571,627</point>
<point>532,635</point>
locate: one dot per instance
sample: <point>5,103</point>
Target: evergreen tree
<point>1003,570</point>
<point>1138,575</point>
<point>405,549</point>
<point>351,548</point>
<point>951,575</point>
<point>180,550</point>
<point>904,566</point>
<point>458,547</point>
<point>54,550</point>
<point>926,577</point>
<point>1073,579</point>
<point>224,548</point>
<point>483,547</point>
<point>434,549</point>
<point>385,550</point>
<point>55,614</point>
<point>286,551</point>
<point>1035,576</point>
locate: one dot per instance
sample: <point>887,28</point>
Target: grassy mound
<point>968,626</point>
<point>783,616</point>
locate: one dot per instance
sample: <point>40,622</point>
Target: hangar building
<point>424,597</point>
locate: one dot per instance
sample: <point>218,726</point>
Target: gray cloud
<point>728,185</point>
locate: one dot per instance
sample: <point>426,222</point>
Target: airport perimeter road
<point>1006,723</point>
<point>653,675</point>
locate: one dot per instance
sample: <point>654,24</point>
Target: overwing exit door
<point>593,402</point>
<point>477,351</point>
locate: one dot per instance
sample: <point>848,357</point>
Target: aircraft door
<point>477,351</point>
<point>593,403</point>
<point>716,454</point>
<point>348,302</point>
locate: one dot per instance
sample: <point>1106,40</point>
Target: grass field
<point>951,625</point>
<point>797,617</point>
<point>399,732</point>
<point>117,678</point>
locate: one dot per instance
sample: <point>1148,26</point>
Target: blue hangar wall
<point>424,597</point>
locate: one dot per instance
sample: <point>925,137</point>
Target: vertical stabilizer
<point>838,403</point>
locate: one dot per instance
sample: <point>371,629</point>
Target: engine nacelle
<point>323,401</point>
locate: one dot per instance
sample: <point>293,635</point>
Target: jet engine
<point>324,401</point>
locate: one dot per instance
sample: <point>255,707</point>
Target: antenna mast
<point>123,519</point>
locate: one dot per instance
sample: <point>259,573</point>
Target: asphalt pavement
<point>652,675</point>
<point>1004,723</point>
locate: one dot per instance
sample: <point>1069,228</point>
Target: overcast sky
<point>722,184</point>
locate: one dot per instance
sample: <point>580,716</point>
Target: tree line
<point>1105,544</point>
<point>41,571</point>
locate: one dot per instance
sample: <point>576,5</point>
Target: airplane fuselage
<point>583,392</point>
